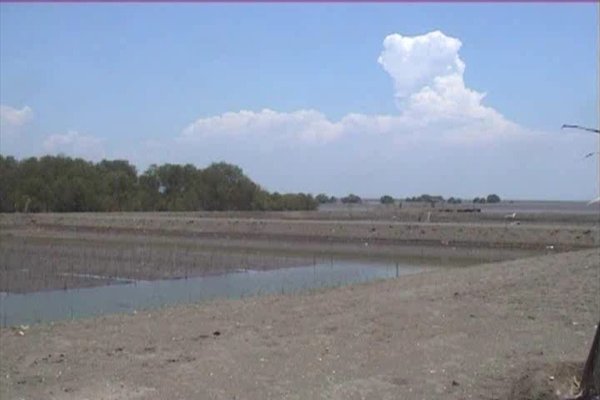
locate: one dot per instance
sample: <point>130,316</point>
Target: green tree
<point>148,193</point>
<point>8,183</point>
<point>351,199</point>
<point>227,188</point>
<point>118,184</point>
<point>63,184</point>
<point>493,198</point>
<point>386,199</point>
<point>322,198</point>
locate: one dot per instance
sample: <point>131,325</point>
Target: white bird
<point>596,200</point>
<point>511,216</point>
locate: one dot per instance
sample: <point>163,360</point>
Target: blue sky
<point>166,83</point>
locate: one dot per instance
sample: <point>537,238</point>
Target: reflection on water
<point>75,303</point>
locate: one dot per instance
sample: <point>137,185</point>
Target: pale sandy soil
<point>447,334</point>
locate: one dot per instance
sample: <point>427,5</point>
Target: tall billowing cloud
<point>428,76</point>
<point>434,104</point>
<point>443,138</point>
<point>416,62</point>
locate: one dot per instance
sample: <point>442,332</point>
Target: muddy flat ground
<point>62,251</point>
<point>470,335</point>
<point>33,263</point>
<point>528,304</point>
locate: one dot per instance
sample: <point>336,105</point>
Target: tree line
<point>64,184</point>
<point>322,198</point>
<point>426,198</point>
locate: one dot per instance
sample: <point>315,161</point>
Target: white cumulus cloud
<point>434,104</point>
<point>75,144</point>
<point>11,118</point>
<point>428,76</point>
<point>414,62</point>
<point>305,125</point>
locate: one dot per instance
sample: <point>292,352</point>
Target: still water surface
<point>16,309</point>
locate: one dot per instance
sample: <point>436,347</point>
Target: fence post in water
<point>397,269</point>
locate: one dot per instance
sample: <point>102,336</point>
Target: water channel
<point>55,305</point>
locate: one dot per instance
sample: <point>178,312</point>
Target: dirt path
<point>454,334</point>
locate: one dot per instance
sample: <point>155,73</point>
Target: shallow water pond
<point>16,309</point>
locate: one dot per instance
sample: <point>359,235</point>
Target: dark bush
<point>386,199</point>
<point>493,198</point>
<point>351,199</point>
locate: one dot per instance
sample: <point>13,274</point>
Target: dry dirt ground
<point>447,334</point>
